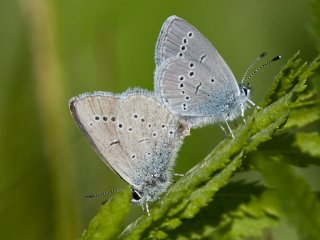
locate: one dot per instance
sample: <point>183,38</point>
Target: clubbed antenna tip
<point>276,58</point>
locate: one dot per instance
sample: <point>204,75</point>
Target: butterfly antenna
<point>262,55</point>
<point>259,68</point>
<point>100,194</point>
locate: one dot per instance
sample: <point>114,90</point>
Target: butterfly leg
<point>228,126</point>
<point>253,104</point>
<point>248,105</point>
<point>147,208</point>
<point>242,114</point>
<point>223,129</point>
<point>178,174</point>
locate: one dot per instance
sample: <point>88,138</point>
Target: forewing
<point>121,128</point>
<point>179,39</point>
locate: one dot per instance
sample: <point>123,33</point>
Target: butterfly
<point>135,135</point>
<point>193,81</point>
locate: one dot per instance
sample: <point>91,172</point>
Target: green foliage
<point>238,210</point>
<point>296,200</point>
<point>205,205</point>
<point>309,143</point>
<point>53,50</point>
<point>106,224</point>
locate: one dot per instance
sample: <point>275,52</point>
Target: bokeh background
<point>51,50</point>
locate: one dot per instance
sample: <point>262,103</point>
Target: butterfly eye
<point>135,195</point>
<point>245,91</point>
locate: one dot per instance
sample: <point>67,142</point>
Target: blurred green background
<point>51,50</point>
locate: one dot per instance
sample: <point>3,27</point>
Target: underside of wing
<point>151,137</point>
<point>126,131</point>
<point>188,88</point>
<point>179,39</point>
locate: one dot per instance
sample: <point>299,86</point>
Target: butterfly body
<point>191,78</point>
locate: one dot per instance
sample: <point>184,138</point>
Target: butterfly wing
<point>129,132</point>
<point>189,89</point>
<point>180,39</point>
<point>182,50</point>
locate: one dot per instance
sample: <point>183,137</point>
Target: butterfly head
<point>245,90</point>
<point>141,197</point>
<point>136,196</point>
<point>151,188</point>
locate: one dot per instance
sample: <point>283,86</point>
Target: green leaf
<point>309,143</point>
<point>285,80</point>
<point>107,224</point>
<point>296,200</point>
<point>302,116</point>
<point>235,206</point>
<point>284,148</point>
<point>251,220</point>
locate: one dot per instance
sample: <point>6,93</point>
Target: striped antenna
<point>244,81</point>
<point>101,194</point>
<point>262,55</point>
